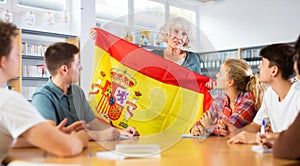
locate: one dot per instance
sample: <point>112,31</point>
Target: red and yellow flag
<point>134,87</point>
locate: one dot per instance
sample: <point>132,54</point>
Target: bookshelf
<point>214,59</point>
<point>251,55</point>
<point>32,71</point>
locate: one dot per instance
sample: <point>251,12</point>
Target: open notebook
<point>124,151</point>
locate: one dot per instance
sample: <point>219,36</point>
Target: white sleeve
<point>263,110</point>
<point>18,115</point>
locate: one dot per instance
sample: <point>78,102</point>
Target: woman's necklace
<point>178,59</point>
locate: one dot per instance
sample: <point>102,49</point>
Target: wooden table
<point>188,151</point>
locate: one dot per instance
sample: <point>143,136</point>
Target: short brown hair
<point>7,31</point>
<point>282,56</point>
<point>58,54</point>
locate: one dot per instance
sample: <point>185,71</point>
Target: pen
<point>263,127</point>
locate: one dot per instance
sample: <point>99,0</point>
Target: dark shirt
<point>287,145</point>
<point>192,61</point>
<point>53,104</point>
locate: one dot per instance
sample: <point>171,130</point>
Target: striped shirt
<point>243,113</point>
<point>244,109</point>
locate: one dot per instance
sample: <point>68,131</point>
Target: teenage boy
<point>281,101</point>
<point>59,98</point>
<point>286,143</point>
<point>18,118</point>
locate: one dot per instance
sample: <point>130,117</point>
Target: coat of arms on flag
<point>115,96</point>
<point>134,87</point>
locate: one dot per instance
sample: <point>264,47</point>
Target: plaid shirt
<point>243,114</point>
<point>244,109</point>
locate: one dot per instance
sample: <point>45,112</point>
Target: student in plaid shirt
<point>239,104</point>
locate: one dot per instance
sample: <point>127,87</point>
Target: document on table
<point>125,137</point>
<point>260,149</point>
<point>23,163</point>
<point>124,151</point>
<point>192,136</point>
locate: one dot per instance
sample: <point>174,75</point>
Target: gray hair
<point>176,22</point>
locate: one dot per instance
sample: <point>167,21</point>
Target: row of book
<point>251,53</point>
<point>33,49</point>
<point>144,38</point>
<point>28,91</point>
<point>215,59</point>
<point>35,71</point>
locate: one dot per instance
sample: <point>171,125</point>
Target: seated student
<point>18,118</point>
<point>286,143</point>
<point>239,104</point>
<point>281,101</point>
<point>59,98</point>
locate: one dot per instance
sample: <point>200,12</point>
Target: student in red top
<point>239,104</point>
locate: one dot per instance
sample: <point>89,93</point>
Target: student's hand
<point>92,33</point>
<point>211,84</point>
<point>207,120</point>
<point>108,134</point>
<point>198,130</point>
<point>76,126</point>
<point>267,140</point>
<point>82,135</point>
<point>227,129</point>
<point>130,131</point>
<point>222,128</point>
<point>243,138</point>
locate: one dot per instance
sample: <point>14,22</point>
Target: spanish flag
<point>134,87</point>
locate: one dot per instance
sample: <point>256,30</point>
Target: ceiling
<point>199,2</point>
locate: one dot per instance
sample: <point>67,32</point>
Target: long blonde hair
<point>239,71</point>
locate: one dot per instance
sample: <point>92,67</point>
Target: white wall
<point>242,23</point>
<point>87,19</point>
<point>59,25</point>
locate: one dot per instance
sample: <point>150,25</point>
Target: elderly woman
<point>177,33</point>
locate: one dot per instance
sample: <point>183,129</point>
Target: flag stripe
<point>151,65</point>
<point>144,62</point>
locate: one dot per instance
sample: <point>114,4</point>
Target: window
<point>3,1</point>
<point>112,16</point>
<point>153,12</point>
<point>187,14</point>
<point>148,18</point>
<point>112,10</point>
<point>53,5</point>
<point>115,16</point>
